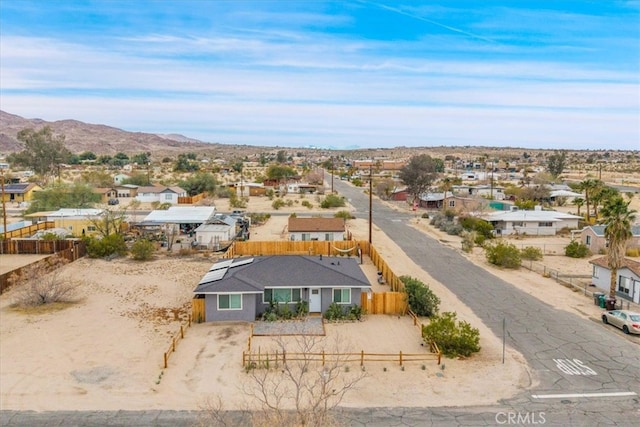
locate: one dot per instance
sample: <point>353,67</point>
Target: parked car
<point>626,320</point>
<point>114,201</point>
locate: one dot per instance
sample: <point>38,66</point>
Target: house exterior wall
<point>248,312</point>
<point>532,228</point>
<point>317,235</point>
<point>600,277</point>
<point>76,226</point>
<point>598,244</point>
<point>207,237</point>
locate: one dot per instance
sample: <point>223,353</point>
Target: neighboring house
<point>106,193</point>
<point>246,189</point>
<point>188,218</point>
<point>593,237</point>
<point>79,222</point>
<point>22,192</point>
<point>535,223</point>
<point>495,193</point>
<point>219,229</point>
<point>242,288</point>
<point>399,195</point>
<point>126,190</point>
<point>301,188</point>
<point>315,228</point>
<point>628,280</point>
<point>434,200</point>
<point>150,194</point>
<point>119,178</point>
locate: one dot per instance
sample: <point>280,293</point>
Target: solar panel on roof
<point>221,264</point>
<point>240,262</point>
<point>212,276</point>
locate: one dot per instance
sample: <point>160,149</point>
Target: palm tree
<point>578,202</point>
<point>446,185</point>
<point>617,218</point>
<point>588,186</point>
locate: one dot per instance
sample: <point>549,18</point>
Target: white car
<point>626,320</point>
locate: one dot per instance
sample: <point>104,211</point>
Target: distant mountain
<point>100,139</point>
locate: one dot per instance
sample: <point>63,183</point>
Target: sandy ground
<point>106,350</point>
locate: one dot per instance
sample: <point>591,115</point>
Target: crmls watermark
<point>520,418</point>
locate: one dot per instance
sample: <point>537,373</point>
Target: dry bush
<point>40,283</point>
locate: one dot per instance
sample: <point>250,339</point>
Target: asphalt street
<point>585,374</point>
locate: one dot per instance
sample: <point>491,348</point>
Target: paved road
<point>587,375</point>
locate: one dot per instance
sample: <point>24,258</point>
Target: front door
<point>315,300</point>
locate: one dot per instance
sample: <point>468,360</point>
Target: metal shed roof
<point>182,215</point>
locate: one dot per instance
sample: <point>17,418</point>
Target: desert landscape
<point>106,350</point>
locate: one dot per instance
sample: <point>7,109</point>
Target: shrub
<point>142,250</point>
<point>449,214</point>
<point>334,312</point>
<point>576,249</point>
<point>531,253</point>
<point>420,298</point>
<point>110,245</point>
<point>344,215</point>
<point>468,240</point>
<point>453,339</point>
<point>41,283</point>
<point>277,204</point>
<point>425,215</point>
<point>357,182</point>
<point>633,252</point>
<point>307,204</point>
<point>453,229</point>
<point>503,254</point>
<point>332,201</point>
<point>483,228</point>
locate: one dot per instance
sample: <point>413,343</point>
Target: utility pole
<point>370,198</point>
<point>332,170</point>
<point>4,206</point>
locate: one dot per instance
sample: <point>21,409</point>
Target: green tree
<point>281,156</point>
<point>140,179</point>
<point>556,163</point>
<point>56,196</point>
<point>279,172</point>
<point>43,151</point>
<point>141,158</point>
<point>419,174</point>
<point>578,202</point>
<point>87,155</point>
<point>185,164</point>
<point>588,186</point>
<point>618,219</point>
<point>200,182</point>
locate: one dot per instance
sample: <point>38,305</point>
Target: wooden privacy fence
<point>37,247</point>
<point>76,249</point>
<point>198,314</point>
<point>30,230</point>
<point>251,360</point>
<point>189,200</point>
<point>174,342</point>
<point>384,303</point>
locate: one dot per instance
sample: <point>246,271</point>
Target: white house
<point>212,235</point>
<point>162,194</point>
<point>535,223</point>
<point>187,217</point>
<point>119,178</point>
<point>315,228</point>
<point>628,281</point>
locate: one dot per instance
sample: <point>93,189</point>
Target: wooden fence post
<point>174,344</point>
<point>181,332</point>
<point>361,357</point>
<point>322,357</point>
<point>401,358</point>
<point>166,361</point>
<point>284,357</point>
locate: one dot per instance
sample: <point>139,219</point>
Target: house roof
<point>220,227</point>
<point>564,193</point>
<point>598,230</point>
<point>432,197</point>
<point>252,275</point>
<point>67,212</point>
<point>632,265</point>
<point>530,216</point>
<point>181,215</point>
<point>297,225</point>
<point>160,189</point>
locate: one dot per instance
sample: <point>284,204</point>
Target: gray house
<point>628,280</point>
<point>593,237</point>
<point>242,288</point>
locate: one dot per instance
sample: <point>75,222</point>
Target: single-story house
<point>79,222</point>
<point>242,288</point>
<point>301,188</point>
<point>221,228</point>
<point>246,189</point>
<point>21,192</point>
<point>316,228</point>
<point>162,194</point>
<point>106,193</point>
<point>495,192</point>
<point>127,190</point>
<point>120,178</point>
<point>593,237</point>
<point>434,200</point>
<point>628,281</point>
<point>187,217</point>
<point>399,194</point>
<point>536,222</point>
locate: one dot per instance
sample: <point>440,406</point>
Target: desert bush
<point>277,204</point>
<point>334,312</point>
<point>344,215</point>
<point>40,283</point>
<point>531,253</point>
<point>576,249</point>
<point>453,229</point>
<point>108,246</point>
<point>453,339</point>
<point>259,218</point>
<point>142,250</point>
<point>503,254</point>
<point>307,204</point>
<point>449,214</point>
<point>633,252</point>
<point>483,228</point>
<point>425,216</point>
<point>332,201</point>
<point>420,298</point>
<point>468,240</point>
<point>357,182</point>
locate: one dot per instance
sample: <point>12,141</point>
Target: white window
<point>230,302</point>
<point>623,284</point>
<point>328,236</point>
<point>452,203</point>
<point>168,197</point>
<point>281,295</point>
<point>306,237</point>
<point>595,271</point>
<point>588,240</point>
<point>545,224</point>
<point>342,296</point>
<point>518,223</point>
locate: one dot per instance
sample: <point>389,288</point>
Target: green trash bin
<point>602,301</point>
<point>596,297</point>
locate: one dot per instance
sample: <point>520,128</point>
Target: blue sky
<point>341,74</point>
